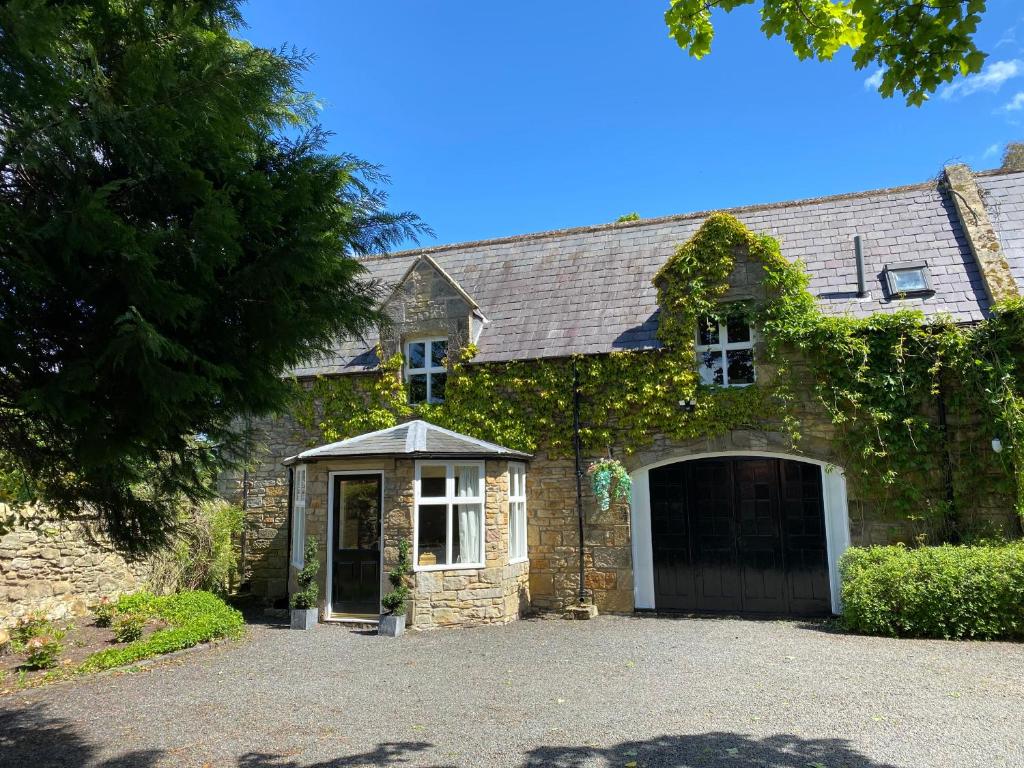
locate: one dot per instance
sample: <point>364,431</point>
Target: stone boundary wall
<point>61,568</point>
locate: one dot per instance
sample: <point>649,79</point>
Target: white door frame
<point>328,608</point>
<point>837,521</point>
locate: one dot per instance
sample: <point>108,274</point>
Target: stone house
<point>741,522</point>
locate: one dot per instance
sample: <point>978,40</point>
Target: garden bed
<point>136,627</point>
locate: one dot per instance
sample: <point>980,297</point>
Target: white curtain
<point>469,533</point>
<point>467,485</point>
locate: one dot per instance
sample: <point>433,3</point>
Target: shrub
<point>29,626</point>
<point>192,617</point>
<point>308,592</point>
<point>395,600</point>
<point>103,612</point>
<point>951,592</point>
<point>43,651</point>
<point>129,627</point>
<point>203,552</point>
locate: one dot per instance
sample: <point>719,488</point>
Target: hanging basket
<point>609,481</point>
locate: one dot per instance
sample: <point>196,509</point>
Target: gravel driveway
<point>611,692</point>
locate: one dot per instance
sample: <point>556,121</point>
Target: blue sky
<point>496,119</point>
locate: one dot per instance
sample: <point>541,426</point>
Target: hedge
<point>951,592</point>
<point>192,617</point>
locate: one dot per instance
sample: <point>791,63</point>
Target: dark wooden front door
<point>739,535</point>
<point>355,577</point>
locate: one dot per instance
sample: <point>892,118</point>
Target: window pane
<point>517,530</point>
<point>438,381</point>
<point>432,481</point>
<point>908,280</point>
<point>467,533</point>
<point>438,352</point>
<point>418,388</point>
<point>710,367</point>
<point>467,481</point>
<point>737,331</point>
<point>417,355</point>
<point>741,366</point>
<point>430,542</point>
<point>708,328</point>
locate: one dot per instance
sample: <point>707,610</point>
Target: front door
<point>355,576</point>
<point>739,535</point>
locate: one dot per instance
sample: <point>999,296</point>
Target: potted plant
<point>609,480</point>
<point>392,621</point>
<point>304,602</point>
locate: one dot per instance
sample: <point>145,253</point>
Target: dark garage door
<point>739,535</point>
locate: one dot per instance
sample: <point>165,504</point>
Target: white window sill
<point>456,567</point>
<point>518,560</point>
<point>297,565</point>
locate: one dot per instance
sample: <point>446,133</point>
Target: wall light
<point>997,445</point>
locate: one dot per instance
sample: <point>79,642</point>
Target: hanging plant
<point>608,478</point>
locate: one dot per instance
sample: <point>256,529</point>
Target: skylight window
<point>907,280</point>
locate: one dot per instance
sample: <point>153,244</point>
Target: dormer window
<point>426,370</point>
<point>725,352</point>
<point>907,280</point>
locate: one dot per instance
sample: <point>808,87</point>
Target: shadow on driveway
<point>31,737</point>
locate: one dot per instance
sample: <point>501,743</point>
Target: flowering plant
<point>608,479</point>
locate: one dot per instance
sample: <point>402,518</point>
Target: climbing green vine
<point>871,389</point>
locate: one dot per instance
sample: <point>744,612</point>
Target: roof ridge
<point>587,228</point>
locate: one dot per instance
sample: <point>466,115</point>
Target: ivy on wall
<point>876,380</point>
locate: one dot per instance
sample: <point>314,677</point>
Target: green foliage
<point>309,590</point>
<point>192,618</point>
<point>919,44</point>
<point>609,478</point>
<point>104,612</point>
<point>395,600</point>
<point>128,627</point>
<point>176,235</point>
<point>203,552</point>
<point>43,651</point>
<point>949,592</point>
<point>633,216</point>
<point>31,626</point>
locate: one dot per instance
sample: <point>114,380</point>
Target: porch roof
<point>413,438</point>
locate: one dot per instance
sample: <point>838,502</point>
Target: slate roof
<point>588,290</point>
<point>413,439</point>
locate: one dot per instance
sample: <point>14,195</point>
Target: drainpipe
<point>578,450</point>
<point>947,465</point>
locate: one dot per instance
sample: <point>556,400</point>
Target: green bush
<point>129,627</point>
<point>30,626</point>
<point>309,592</point>
<point>951,592</point>
<point>395,600</point>
<point>203,553</point>
<point>43,651</point>
<point>103,612</point>
<point>192,617</point>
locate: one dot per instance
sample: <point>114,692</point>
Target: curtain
<point>467,485</point>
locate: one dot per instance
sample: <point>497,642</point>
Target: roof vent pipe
<point>861,290</point>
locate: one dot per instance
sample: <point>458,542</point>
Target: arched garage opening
<point>739,533</point>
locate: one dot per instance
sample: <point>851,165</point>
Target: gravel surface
<point>610,692</point>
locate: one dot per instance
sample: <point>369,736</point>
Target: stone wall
<point>61,568</point>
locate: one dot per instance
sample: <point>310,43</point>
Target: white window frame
<point>724,346</point>
<point>517,505</point>
<point>429,369</point>
<point>450,500</point>
<point>298,554</point>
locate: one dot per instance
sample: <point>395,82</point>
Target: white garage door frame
<point>837,521</point>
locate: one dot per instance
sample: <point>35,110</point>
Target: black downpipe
<point>947,467</point>
<point>578,449</point>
